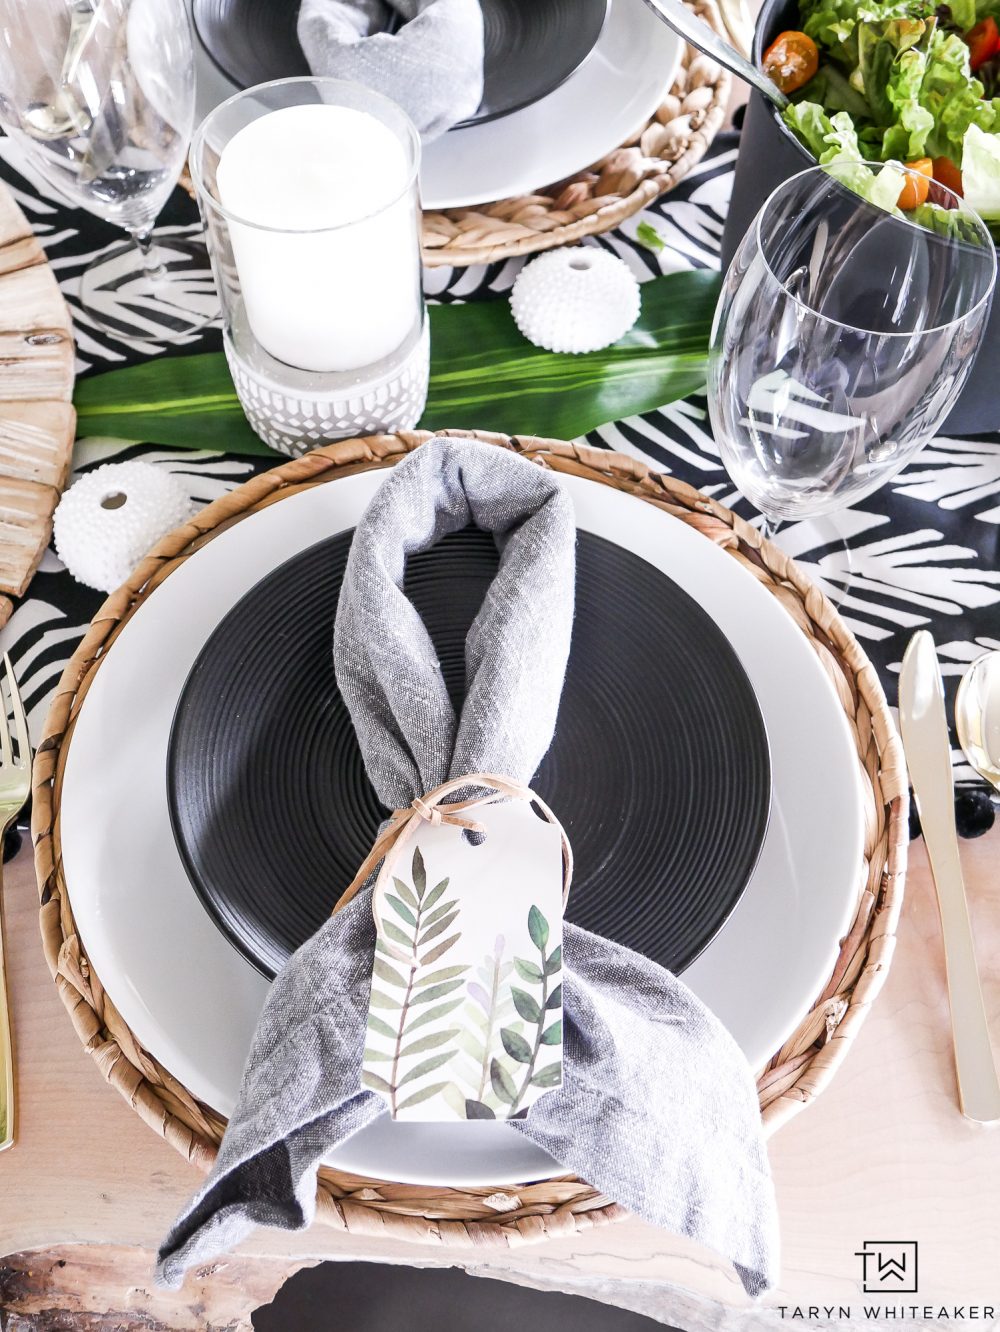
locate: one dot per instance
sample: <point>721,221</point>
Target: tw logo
<point>889,1266</point>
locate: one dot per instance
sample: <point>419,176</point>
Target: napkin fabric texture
<point>432,66</point>
<point>658,1109</point>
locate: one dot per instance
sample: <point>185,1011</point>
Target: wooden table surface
<point>883,1154</point>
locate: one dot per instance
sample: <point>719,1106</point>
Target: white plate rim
<point>460,169</point>
<point>229,565</point>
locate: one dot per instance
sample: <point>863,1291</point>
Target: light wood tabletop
<point>883,1154</point>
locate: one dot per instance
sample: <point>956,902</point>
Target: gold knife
<point>928,756</point>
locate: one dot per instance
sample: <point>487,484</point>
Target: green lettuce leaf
<point>892,64</point>
<point>906,138</point>
<point>952,96</point>
<point>841,141</point>
<point>981,172</point>
<point>834,141</point>
<point>833,24</point>
<point>964,14</point>
<point>833,91</point>
<point>811,123</point>
<point>946,222</point>
<point>870,139</point>
<point>884,187</point>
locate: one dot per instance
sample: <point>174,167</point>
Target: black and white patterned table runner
<point>925,549</point>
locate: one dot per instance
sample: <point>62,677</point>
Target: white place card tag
<point>465,1016</point>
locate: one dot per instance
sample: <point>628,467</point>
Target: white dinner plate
<point>607,100</point>
<point>602,104</point>
<point>192,1000</point>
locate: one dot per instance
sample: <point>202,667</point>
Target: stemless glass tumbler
<point>308,188</point>
<point>100,95</point>
<point>843,335</point>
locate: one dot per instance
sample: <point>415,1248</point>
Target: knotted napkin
<point>432,66</point>
<point>658,1108</point>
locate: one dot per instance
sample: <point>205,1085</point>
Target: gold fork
<point>15,786</point>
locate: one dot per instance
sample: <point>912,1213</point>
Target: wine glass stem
<point>154,269</point>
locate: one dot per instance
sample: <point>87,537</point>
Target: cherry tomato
<point>946,173</point>
<point>983,42</point>
<point>791,60</point>
<point>917,186</point>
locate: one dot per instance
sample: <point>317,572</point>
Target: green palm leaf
<point>484,375</point>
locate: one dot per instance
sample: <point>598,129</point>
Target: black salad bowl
<point>769,154</point>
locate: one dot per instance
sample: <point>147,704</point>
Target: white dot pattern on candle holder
<point>111,518</point>
<point>577,299</point>
<point>293,423</point>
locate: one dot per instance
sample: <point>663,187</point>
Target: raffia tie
<point>434,809</point>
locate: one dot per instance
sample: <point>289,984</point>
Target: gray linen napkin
<point>432,67</point>
<point>658,1109</point>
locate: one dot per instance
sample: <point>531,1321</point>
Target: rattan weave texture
<point>463,1218</point>
<point>602,196</point>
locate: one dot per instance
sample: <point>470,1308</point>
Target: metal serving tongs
<point>677,16</point>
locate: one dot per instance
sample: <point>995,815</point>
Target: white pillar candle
<point>323,229</point>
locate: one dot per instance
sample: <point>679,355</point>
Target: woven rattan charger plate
<point>604,195</point>
<point>450,1216</point>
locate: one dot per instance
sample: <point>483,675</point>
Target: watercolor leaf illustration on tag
<point>415,931</point>
<point>529,1020</point>
<point>489,1005</point>
<point>539,1007</point>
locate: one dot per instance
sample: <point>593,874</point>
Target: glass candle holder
<point>308,189</point>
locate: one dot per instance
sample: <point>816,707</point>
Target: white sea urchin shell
<point>109,519</point>
<point>578,299</point>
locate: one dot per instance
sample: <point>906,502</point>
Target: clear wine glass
<point>843,335</point>
<point>100,94</point>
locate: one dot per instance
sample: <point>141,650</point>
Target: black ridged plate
<point>531,46</point>
<point>659,770</point>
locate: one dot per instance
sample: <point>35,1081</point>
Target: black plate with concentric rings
<point>530,46</point>
<point>659,769</point>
